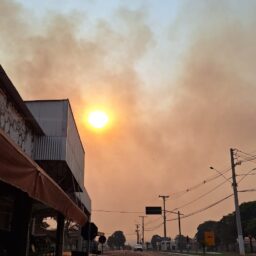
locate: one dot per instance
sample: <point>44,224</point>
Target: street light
<point>237,210</point>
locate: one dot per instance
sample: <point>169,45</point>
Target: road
<point>145,253</point>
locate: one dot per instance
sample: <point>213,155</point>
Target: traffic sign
<point>209,238</point>
<point>102,239</point>
<point>154,210</point>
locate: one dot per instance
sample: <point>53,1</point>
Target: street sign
<point>102,239</point>
<point>209,238</point>
<point>154,210</point>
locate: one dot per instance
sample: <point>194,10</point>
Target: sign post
<point>102,240</point>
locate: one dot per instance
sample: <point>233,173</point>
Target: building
<point>41,169</point>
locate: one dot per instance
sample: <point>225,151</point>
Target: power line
<point>152,221</point>
<point>113,211</point>
<point>245,175</point>
<point>245,153</point>
<point>201,196</point>
<point>155,227</point>
<point>249,157</point>
<point>203,209</point>
<point>182,192</point>
<point>247,190</point>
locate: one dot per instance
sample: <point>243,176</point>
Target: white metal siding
<point>62,141</point>
<point>50,148</point>
<point>75,152</point>
<point>51,116</point>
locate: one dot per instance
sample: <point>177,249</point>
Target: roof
<point>7,86</point>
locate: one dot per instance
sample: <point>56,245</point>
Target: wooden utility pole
<point>138,233</point>
<point>164,216</point>
<point>143,229</point>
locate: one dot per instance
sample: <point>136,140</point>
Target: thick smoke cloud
<point>163,138</point>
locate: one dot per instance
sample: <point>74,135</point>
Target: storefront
<point>27,191</point>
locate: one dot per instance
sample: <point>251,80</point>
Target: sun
<point>98,119</point>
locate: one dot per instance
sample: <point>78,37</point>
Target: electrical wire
<point>245,153</point>
<point>154,228</point>
<point>112,211</point>
<point>247,190</point>
<point>152,221</point>
<point>203,209</point>
<point>183,192</point>
<point>245,175</point>
<point>201,196</point>
<point>249,157</point>
<point>179,194</point>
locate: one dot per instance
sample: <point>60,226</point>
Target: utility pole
<point>142,225</point>
<point>179,231</point>
<point>179,224</point>
<point>137,232</point>
<point>238,217</point>
<point>164,199</point>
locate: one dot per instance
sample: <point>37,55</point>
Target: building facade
<point>41,171</point>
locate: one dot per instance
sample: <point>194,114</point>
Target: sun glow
<point>98,119</point>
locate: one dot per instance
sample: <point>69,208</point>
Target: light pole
<point>237,210</point>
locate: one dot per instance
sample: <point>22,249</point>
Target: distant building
<point>41,170</point>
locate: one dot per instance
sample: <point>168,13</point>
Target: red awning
<point>18,170</point>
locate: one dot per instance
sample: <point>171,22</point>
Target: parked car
<point>138,247</point>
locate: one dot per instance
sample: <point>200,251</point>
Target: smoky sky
<point>163,137</point>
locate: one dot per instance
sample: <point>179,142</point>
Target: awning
<point>18,170</point>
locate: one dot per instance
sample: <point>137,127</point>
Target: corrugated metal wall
<point>75,152</point>
<point>50,148</point>
<point>62,141</point>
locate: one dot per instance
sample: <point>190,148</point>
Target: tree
<point>206,226</point>
<point>202,228</point>
<point>250,231</point>
<point>117,239</point>
<point>226,230</point>
<point>154,240</point>
<point>110,242</point>
<point>181,241</point>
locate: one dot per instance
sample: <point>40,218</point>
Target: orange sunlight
<point>98,119</point>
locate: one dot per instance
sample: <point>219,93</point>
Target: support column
<point>19,238</point>
<point>60,234</point>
